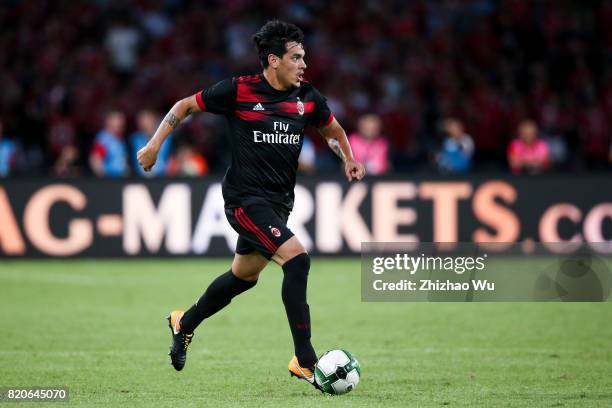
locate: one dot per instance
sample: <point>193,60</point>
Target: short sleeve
<point>218,98</point>
<point>321,115</point>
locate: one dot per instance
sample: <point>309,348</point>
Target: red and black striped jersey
<point>266,135</point>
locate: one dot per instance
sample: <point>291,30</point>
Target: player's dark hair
<point>273,37</point>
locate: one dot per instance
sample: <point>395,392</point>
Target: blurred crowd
<point>452,86</point>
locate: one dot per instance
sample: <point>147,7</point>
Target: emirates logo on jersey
<point>300,107</point>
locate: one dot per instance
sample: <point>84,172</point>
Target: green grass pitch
<point>98,328</point>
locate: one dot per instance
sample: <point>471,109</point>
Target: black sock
<point>298,313</point>
<point>218,295</point>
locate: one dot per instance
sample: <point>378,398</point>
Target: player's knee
<point>250,278</point>
<point>299,265</point>
<point>288,250</point>
<point>246,275</point>
<point>248,267</point>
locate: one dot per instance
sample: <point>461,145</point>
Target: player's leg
<point>265,228</point>
<point>295,261</point>
<point>242,276</point>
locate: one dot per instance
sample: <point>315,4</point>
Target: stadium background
<point>490,64</point>
<point>95,326</point>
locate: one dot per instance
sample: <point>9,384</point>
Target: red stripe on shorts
<point>260,233</point>
<point>248,224</point>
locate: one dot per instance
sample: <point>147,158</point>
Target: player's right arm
<point>183,108</point>
<point>219,99</point>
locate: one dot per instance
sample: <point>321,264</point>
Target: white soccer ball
<point>337,372</point>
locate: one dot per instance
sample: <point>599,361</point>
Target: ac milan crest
<point>300,107</point>
<point>276,232</point>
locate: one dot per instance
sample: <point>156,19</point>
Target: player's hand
<point>354,170</point>
<point>147,156</point>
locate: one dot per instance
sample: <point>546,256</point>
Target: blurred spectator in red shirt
<point>528,153</point>
<point>369,146</point>
<point>187,162</point>
<point>457,150</point>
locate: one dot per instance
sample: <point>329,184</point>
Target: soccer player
<point>267,114</point>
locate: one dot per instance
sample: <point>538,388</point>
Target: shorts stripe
<point>262,236</point>
<point>247,224</point>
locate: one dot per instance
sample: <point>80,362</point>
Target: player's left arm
<point>336,139</point>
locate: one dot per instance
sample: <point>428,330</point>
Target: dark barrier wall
<point>185,217</point>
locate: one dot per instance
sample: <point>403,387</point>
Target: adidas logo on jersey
<point>258,107</point>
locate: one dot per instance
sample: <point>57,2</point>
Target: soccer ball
<point>337,372</point>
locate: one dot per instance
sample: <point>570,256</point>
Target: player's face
<point>291,67</point>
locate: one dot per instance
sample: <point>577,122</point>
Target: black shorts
<point>260,227</point>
